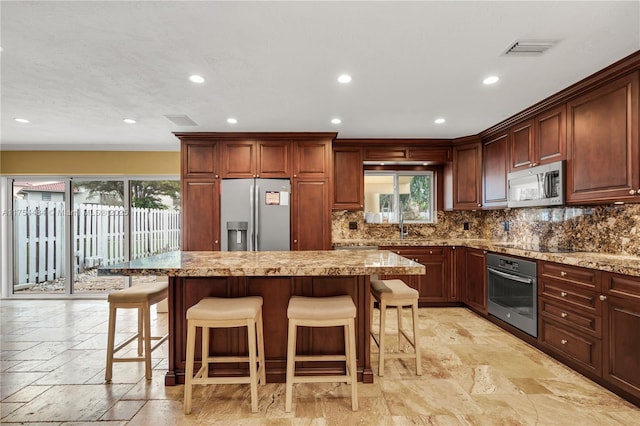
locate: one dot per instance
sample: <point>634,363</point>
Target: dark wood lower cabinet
<point>475,293</point>
<point>276,291</point>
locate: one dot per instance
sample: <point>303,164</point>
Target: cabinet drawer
<point>622,285</point>
<point>569,295</point>
<point>586,322</point>
<point>581,348</point>
<point>587,278</point>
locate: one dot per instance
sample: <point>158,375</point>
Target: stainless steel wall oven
<point>512,291</point>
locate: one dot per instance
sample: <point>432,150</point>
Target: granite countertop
<point>622,264</point>
<point>268,263</point>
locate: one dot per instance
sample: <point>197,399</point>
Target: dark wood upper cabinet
<point>256,159</point>
<point>522,146</point>
<point>495,165</point>
<point>467,176</point>
<point>550,135</point>
<point>312,158</point>
<point>348,180</point>
<point>200,159</point>
<point>603,146</point>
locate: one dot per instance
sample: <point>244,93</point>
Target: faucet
<point>403,233</point>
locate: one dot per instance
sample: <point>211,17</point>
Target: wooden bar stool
<point>322,312</point>
<point>140,297</point>
<point>395,293</point>
<point>214,312</point>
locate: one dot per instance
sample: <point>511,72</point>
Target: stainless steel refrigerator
<point>255,214</point>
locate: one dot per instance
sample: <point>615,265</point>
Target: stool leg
<point>110,342</point>
<point>383,321</point>
<point>291,363</point>
<point>204,366</point>
<point>350,330</point>
<point>140,327</point>
<point>253,364</point>
<point>399,312</point>
<point>416,338</point>
<point>147,340</point>
<point>191,348</point>
<point>263,367</point>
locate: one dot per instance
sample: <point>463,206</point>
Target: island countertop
<point>267,263</point>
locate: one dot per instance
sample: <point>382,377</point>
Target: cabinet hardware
<point>564,341</point>
<point>632,192</point>
<point>563,274</point>
<point>563,293</point>
<point>430,251</point>
<point>217,176</point>
<point>603,297</point>
<point>295,175</point>
<point>215,242</point>
<point>479,205</point>
<point>295,241</point>
<point>564,315</point>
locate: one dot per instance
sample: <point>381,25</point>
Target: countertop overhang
<point>267,263</point>
<point>621,264</point>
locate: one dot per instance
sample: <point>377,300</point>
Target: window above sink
<point>389,194</point>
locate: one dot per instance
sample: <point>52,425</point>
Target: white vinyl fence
<point>98,237</point>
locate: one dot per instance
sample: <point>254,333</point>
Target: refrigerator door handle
<point>257,220</point>
<point>252,218</point>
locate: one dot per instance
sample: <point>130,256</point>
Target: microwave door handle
<point>547,185</point>
<point>511,277</point>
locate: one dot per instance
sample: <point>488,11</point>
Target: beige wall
<point>93,163</point>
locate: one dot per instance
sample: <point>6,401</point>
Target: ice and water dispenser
<point>237,236</point>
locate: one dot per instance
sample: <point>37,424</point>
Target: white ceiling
<point>77,69</point>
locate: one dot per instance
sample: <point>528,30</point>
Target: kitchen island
<point>276,276</point>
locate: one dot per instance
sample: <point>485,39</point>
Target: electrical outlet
<point>465,226</point>
<point>353,225</point>
<point>506,225</point>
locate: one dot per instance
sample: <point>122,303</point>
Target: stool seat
<point>395,293</point>
<point>392,290</point>
<point>140,297</point>
<point>219,309</point>
<point>322,308</point>
<point>336,311</point>
<point>151,293</point>
<point>216,312</point>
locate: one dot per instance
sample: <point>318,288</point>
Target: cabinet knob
<point>430,251</point>
<point>217,176</point>
<point>563,274</point>
<point>479,205</point>
<point>564,315</point>
<point>564,341</point>
<point>603,297</point>
<point>295,175</point>
<point>295,241</point>
<point>563,293</point>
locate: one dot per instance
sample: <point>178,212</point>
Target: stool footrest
<point>321,379</point>
<point>300,358</point>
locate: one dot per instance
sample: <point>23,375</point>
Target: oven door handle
<point>511,277</point>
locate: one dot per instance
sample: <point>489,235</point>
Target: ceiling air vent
<point>181,120</point>
<point>529,47</point>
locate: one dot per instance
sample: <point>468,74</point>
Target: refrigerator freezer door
<point>272,214</point>
<point>235,206</point>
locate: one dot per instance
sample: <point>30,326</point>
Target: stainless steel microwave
<point>537,186</point>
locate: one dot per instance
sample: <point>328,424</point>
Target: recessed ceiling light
<point>232,120</point>
<point>196,78</point>
<point>336,121</point>
<point>491,79</point>
<point>22,120</point>
<point>439,120</point>
<point>344,78</point>
<point>129,121</point>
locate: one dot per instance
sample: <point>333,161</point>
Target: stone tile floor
<point>52,373</point>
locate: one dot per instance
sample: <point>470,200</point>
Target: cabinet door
<point>476,280</point>
<point>467,176</point>
<point>434,285</point>
<point>522,146</point>
<point>274,159</point>
<point>603,144</point>
<point>199,159</point>
<point>621,339</point>
<point>312,159</point>
<point>458,263</point>
<point>200,215</point>
<point>348,182</point>
<point>239,159</point>
<point>495,160</point>
<point>550,136</point>
<point>311,215</point>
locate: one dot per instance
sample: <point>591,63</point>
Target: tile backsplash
<point>613,229</point>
